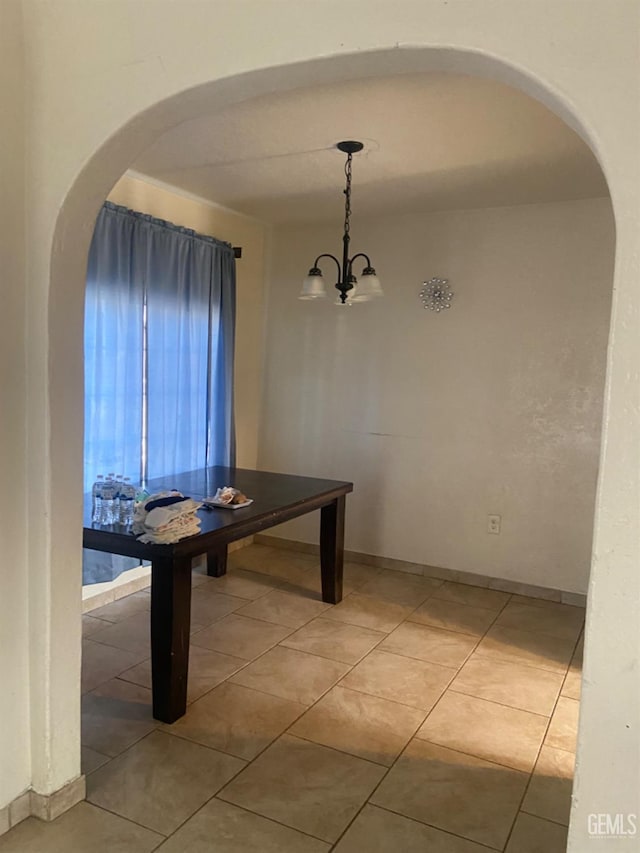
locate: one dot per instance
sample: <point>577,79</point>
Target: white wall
<point>15,771</point>
<point>441,419</point>
<point>104,79</point>
<point>191,212</point>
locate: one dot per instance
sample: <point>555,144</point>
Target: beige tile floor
<point>417,715</point>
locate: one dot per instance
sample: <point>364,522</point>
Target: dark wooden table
<point>276,498</point>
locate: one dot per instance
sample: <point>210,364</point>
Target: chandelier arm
<point>359,255</point>
<point>333,258</point>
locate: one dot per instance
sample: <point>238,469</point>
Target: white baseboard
<point>43,806</point>
<point>557,595</point>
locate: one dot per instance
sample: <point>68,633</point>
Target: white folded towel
<point>166,524</point>
<point>163,516</point>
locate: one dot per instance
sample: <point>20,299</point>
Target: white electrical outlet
<point>493,524</point>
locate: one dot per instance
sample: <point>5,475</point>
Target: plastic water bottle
<point>127,500</point>
<point>109,491</point>
<point>96,495</point>
<point>116,506</point>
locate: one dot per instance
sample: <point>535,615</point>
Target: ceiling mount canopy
<point>347,284</point>
<point>349,146</point>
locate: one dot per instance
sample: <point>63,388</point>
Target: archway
<point>67,280</point>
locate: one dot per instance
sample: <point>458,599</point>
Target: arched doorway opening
<point>68,263</point>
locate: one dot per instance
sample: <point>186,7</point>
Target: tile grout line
<point>321,696</point>
<point>260,751</point>
<point>309,739</point>
<point>127,819</point>
<point>265,817</point>
<point>382,779</point>
<point>547,819</point>
<point>351,666</point>
<point>477,757</point>
<point>402,752</point>
<point>271,742</point>
<point>335,749</point>
<point>265,693</point>
<point>535,764</point>
<point>362,692</point>
<point>293,631</point>
<point>193,814</point>
<point>204,746</point>
<point>472,755</point>
<point>393,701</point>
<point>313,704</point>
<point>285,731</point>
<point>215,794</point>
<point>159,722</point>
<point>478,639</point>
<point>522,662</point>
<point>219,619</point>
<point>459,692</point>
<point>448,832</point>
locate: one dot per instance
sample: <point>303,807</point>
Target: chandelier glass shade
<point>350,289</point>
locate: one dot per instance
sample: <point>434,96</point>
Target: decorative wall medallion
<point>436,295</point>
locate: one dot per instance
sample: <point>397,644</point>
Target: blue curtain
<point>159,342</point>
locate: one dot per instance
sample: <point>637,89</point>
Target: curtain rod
<point>120,208</point>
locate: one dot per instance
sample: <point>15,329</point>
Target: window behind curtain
<point>154,285</point>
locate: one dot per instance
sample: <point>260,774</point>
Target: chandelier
<point>347,284</point>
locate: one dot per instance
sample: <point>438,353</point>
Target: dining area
<point>275,498</point>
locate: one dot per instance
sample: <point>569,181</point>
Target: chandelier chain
<point>347,193</point>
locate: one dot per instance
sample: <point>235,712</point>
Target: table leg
<point>332,549</point>
<point>217,562</point>
<point>170,625</point>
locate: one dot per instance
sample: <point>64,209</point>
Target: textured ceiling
<point>432,142</point>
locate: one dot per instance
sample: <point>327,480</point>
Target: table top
<point>276,498</point>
